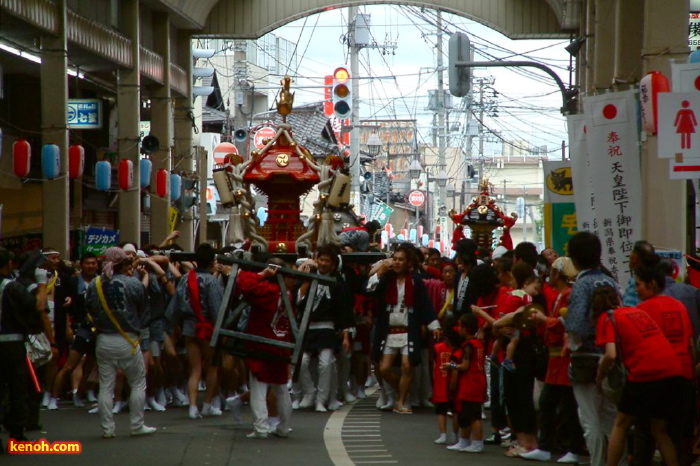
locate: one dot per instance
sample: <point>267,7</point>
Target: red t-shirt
<point>646,353</point>
<point>472,382</point>
<point>672,318</point>
<point>441,377</point>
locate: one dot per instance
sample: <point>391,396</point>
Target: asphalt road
<point>363,436</point>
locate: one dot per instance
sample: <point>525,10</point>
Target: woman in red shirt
<point>654,372</point>
<point>672,318</point>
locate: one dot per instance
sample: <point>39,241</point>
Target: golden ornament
<point>281,247</point>
<point>282,160</point>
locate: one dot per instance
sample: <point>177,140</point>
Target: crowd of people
<point>569,367</point>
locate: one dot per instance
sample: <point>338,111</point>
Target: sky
<point>395,84</point>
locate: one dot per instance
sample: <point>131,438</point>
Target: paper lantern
<point>413,235</point>
<point>431,243</point>
<point>650,86</point>
<point>50,161</point>
<point>76,161</point>
<point>404,233</point>
<point>162,182</point>
<point>175,187</point>
<point>103,175</point>
<point>126,174</point>
<point>145,168</point>
<point>401,237</point>
<point>420,231</point>
<point>424,239</point>
<point>21,157</point>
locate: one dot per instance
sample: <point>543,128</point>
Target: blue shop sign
<point>84,113</point>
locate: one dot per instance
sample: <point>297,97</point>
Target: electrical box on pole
<point>460,77</point>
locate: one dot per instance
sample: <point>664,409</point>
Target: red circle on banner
<point>697,83</point>
<point>610,111</point>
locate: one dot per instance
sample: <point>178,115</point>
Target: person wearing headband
<point>118,305</point>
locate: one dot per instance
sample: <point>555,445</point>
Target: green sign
<point>560,225</point>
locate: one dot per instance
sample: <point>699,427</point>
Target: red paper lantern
<point>162,182</point>
<point>650,86</point>
<point>126,174</point>
<point>76,161</point>
<point>21,157</point>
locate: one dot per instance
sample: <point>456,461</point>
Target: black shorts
<point>83,344</point>
<point>320,339</point>
<point>657,399</point>
<point>441,409</point>
<point>471,411</point>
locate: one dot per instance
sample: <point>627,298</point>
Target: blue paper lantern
<point>424,240</point>
<point>401,237</point>
<point>175,187</point>
<point>412,235</point>
<point>145,166</point>
<point>50,161</point>
<point>694,56</point>
<point>103,175</point>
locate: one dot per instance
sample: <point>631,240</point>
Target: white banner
<point>613,149</point>
<point>581,173</point>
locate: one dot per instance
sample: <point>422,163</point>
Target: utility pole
<point>441,124</point>
<point>240,78</point>
<point>481,131</point>
<point>355,198</point>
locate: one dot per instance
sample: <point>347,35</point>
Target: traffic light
<point>189,195</point>
<point>460,77</point>
<point>342,93</point>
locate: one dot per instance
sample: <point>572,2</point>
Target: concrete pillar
<point>586,56</point>
<point>604,60</point>
<point>128,112</point>
<point>54,104</point>
<point>628,43</point>
<point>665,39</point>
<point>184,151</point>
<point>161,126</point>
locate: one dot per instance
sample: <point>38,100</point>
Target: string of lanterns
<point>166,183</point>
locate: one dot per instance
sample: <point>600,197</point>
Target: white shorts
<point>403,350</point>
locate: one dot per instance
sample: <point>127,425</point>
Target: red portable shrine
<point>483,216</point>
<point>21,157</point>
<point>76,161</point>
<point>284,172</point>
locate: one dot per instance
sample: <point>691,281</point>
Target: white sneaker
<point>93,410</point>
<point>462,444</point>
<point>295,404</point>
<point>216,402</point>
<point>391,402</point>
<point>381,401</point>
<point>118,407</point>
<point>53,404</point>
<point>361,395</point>
<point>441,440</point>
<point>273,423</point>
<point>257,435</point>
<point>194,413</point>
<point>427,404</point>
<point>306,402</point>
<point>320,408</point>
<point>91,396</point>
<point>537,455</point>
<point>143,430</point>
<point>234,404</point>
<point>202,386</point>
<point>475,447</point>
<point>350,398</point>
<point>161,398</point>
<point>179,398</point>
<point>77,402</point>
<point>45,401</point>
<point>334,405</point>
<point>371,381</point>
<point>150,401</point>
<point>571,458</point>
<point>209,410</point>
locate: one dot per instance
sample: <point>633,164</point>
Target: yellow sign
<point>560,181</point>
<point>173,215</point>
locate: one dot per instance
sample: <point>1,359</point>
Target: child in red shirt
<point>441,382</point>
<point>471,387</point>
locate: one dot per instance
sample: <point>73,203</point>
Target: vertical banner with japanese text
<point>581,173</point>
<point>559,206</point>
<point>612,139</point>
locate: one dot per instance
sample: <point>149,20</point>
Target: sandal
<point>515,452</point>
<point>403,410</point>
